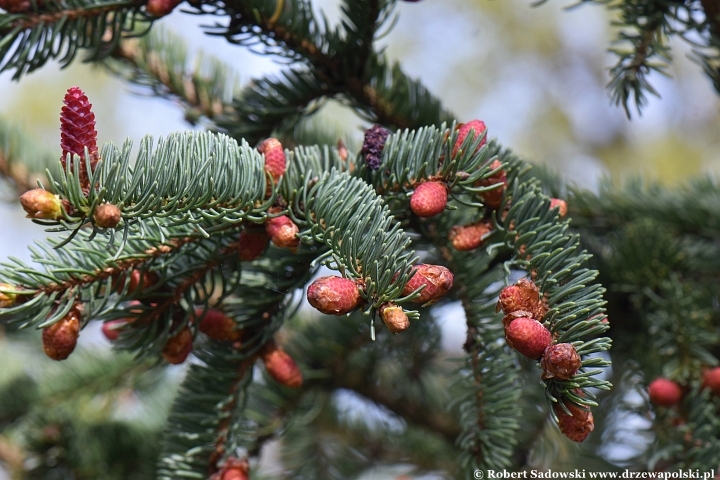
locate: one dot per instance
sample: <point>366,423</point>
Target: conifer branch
<point>59,29</point>
<point>22,161</point>
<point>629,74</point>
<point>160,61</point>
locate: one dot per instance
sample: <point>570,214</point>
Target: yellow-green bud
<point>7,299</point>
<point>39,203</point>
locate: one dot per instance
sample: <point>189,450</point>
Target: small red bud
<point>493,198</point>
<point>252,244</point>
<point>342,150</point>
<point>178,347</point>
<point>218,326</point>
<point>477,126</point>
<point>233,469</point>
<point>275,163</point>
<point>139,281</point>
<point>107,215</point>
<point>711,380</point>
<point>561,205</point>
<point>41,204</point>
<point>394,317</point>
<point>281,367</point>
<point>577,425</point>
<point>283,232</point>
<point>60,338</point>
<point>334,295</point>
<point>560,361</point>
<point>469,237</point>
<point>160,8</point>
<point>438,281</point>
<point>664,392</point>
<point>111,329</point>
<point>528,336</point>
<point>429,199</point>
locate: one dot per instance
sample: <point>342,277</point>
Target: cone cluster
<point>524,310</point>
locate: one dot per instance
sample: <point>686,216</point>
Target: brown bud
<point>252,243</point>
<point>60,338</point>
<point>107,215</point>
<point>429,199</point>
<point>281,367</point>
<point>664,392</point>
<point>178,347</point>
<point>493,198</point>
<point>139,281</point>
<point>469,237</point>
<point>560,361</point>
<point>394,317</point>
<point>577,425</point>
<point>7,299</point>
<point>283,232</point>
<point>437,280</point>
<point>561,205</point>
<point>528,336</point>
<point>523,296</point>
<point>41,204</point>
<point>218,326</point>
<point>342,150</point>
<point>334,295</point>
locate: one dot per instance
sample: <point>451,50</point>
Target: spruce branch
<point>274,103</point>
<point>22,162</point>
<point>160,61</point>
<point>190,178</point>
<point>58,29</point>
<point>204,428</point>
<point>629,75</point>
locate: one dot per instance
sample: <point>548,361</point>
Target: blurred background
<point>536,76</point>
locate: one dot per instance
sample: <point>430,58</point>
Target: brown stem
<point>31,20</point>
<point>327,68</point>
<point>148,62</point>
<point>418,414</point>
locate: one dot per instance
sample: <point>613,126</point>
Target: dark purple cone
<point>372,148</point>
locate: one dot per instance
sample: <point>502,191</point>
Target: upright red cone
<point>77,130</point>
